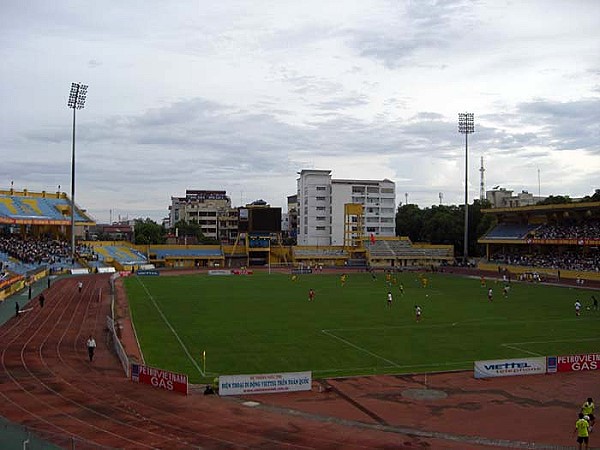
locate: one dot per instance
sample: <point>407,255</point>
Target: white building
<point>321,203</point>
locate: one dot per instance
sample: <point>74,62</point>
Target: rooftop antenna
<point>539,184</point>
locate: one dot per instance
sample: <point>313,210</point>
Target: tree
<point>149,232</point>
<point>409,222</point>
<point>193,229</point>
<point>444,224</point>
<point>593,198</point>
<point>555,200</point>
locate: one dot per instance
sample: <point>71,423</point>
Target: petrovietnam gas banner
<point>163,379</point>
<point>574,363</point>
<point>510,367</point>
<point>265,383</point>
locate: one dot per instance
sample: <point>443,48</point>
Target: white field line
<point>172,329</point>
<point>558,340</point>
<point>514,347</point>
<point>453,324</point>
<point>364,350</point>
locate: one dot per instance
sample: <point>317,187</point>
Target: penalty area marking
<point>171,328</point>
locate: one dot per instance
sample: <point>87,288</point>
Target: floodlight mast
<point>76,101</point>
<point>466,126</point>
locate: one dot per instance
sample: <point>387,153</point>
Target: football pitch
<point>264,323</point>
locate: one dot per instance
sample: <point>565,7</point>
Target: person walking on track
<point>91,346</point>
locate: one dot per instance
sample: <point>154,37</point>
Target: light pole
<point>466,126</point>
<point>76,101</point>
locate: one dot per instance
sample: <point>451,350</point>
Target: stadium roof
<point>545,208</point>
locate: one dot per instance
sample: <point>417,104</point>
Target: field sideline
<point>264,323</point>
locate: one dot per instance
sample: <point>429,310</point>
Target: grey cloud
<point>422,25</point>
<point>566,125</point>
<point>340,103</point>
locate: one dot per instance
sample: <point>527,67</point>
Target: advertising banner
<point>148,273</point>
<point>219,272</point>
<point>265,383</point>
<point>242,272</point>
<point>163,379</point>
<point>574,363</point>
<point>510,367</point>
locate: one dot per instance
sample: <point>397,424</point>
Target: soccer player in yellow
<point>587,409</point>
<point>582,428</point>
<point>343,279</point>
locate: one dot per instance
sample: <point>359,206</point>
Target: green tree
<point>409,222</point>
<point>555,200</point>
<point>149,232</point>
<point>193,229</point>
<point>444,224</point>
<point>592,198</point>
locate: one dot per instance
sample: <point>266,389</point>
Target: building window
<point>321,188</point>
<point>320,228</point>
<point>320,199</point>
<point>320,218</point>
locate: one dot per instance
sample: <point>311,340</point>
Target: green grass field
<point>264,323</point>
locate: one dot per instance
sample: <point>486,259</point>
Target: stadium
<point>189,319</point>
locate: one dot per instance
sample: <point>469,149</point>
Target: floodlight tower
<point>466,126</point>
<point>482,182</point>
<point>76,101</point>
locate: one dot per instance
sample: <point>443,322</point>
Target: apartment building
<point>210,209</point>
<point>321,207</point>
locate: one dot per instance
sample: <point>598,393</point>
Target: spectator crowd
<point>568,260</point>
<point>588,230</point>
<point>39,251</point>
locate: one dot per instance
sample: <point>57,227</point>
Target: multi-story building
<point>503,198</point>
<point>210,209</point>
<point>322,213</point>
<point>292,207</point>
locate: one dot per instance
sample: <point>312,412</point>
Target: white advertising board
<point>510,367</point>
<point>265,383</point>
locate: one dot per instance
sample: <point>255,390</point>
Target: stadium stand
<point>25,207</point>
<point>123,254</point>
<point>559,237</point>
<point>510,231</point>
<point>402,252</point>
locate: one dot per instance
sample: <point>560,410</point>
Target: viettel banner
<point>510,367</point>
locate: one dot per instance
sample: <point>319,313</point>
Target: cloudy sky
<point>241,95</point>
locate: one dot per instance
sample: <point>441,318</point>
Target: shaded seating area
<point>509,231</point>
<point>401,252</point>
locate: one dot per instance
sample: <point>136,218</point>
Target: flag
<point>372,238</point>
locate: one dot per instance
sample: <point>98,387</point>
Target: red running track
<point>48,385</point>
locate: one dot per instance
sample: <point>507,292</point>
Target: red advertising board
<point>576,363</point>
<point>162,379</point>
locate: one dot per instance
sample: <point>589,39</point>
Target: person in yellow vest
<point>582,428</point>
<point>587,409</point>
